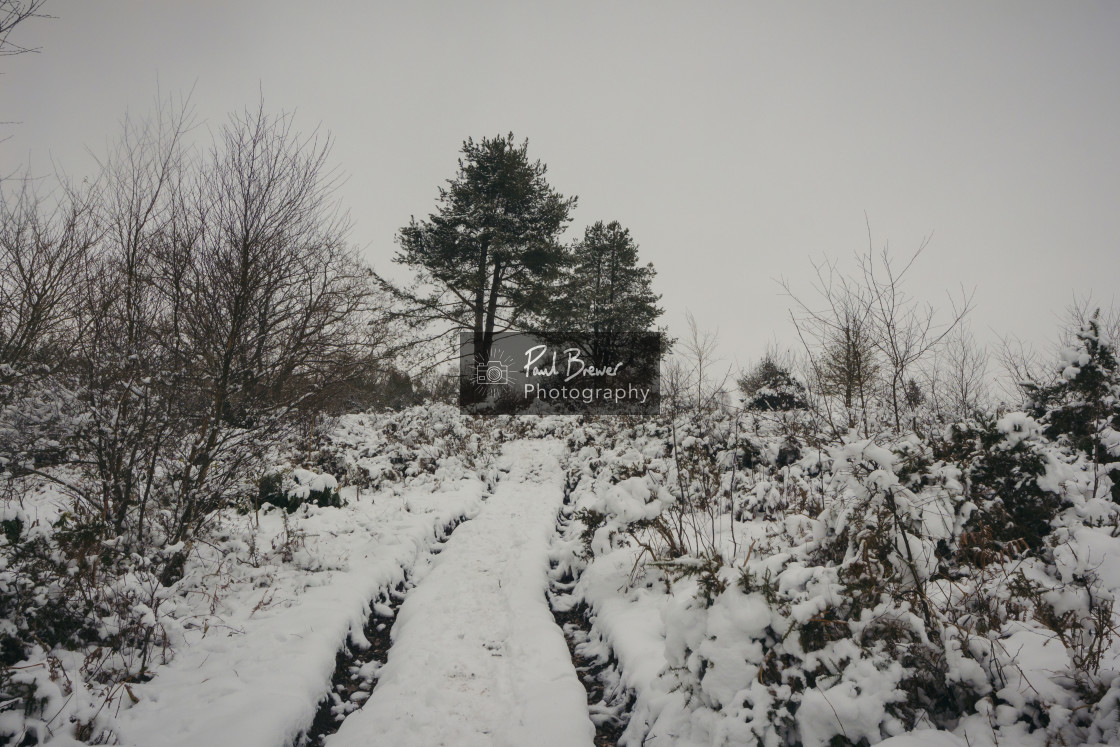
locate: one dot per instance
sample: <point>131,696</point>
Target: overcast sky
<point>735,140</point>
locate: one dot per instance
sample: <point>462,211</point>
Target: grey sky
<point>735,140</point>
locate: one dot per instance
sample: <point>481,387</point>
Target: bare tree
<point>906,331</point>
<point>1023,368</point>
<point>44,248</point>
<point>268,302</point>
<point>692,380</point>
<point>1082,311</point>
<point>868,335</point>
<point>12,14</point>
<point>42,255</point>
<point>694,387</point>
<point>131,410</point>
<point>1026,368</point>
<point>959,378</point>
<point>223,305</point>
<point>838,340</point>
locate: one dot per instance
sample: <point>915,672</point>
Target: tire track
<point>609,702</point>
<point>477,658</point>
<point>358,662</point>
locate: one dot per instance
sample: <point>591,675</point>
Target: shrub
<point>1005,460</point>
<point>770,386</point>
<point>291,489</point>
<point>1082,407</point>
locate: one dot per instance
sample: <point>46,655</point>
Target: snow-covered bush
<point>37,421</point>
<point>1006,463</point>
<point>430,442</point>
<point>79,616</point>
<point>291,488</point>
<point>1082,406</point>
<point>845,592</point>
<point>770,387</point>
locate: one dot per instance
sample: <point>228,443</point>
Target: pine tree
<point>769,386</point>
<point>1083,406</point>
<point>490,251</point>
<point>605,305</point>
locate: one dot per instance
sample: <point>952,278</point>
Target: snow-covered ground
<point>253,672</point>
<point>767,653</point>
<point>477,658</point>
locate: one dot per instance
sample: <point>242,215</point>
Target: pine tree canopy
<point>605,300</point>
<point>491,248</point>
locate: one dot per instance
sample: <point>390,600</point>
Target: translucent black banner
<point>524,374</point>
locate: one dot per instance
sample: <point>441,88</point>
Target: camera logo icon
<point>492,372</point>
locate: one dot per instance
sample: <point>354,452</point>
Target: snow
<point>308,482</point>
<point>629,622</point>
<point>630,500</point>
<point>1017,427</point>
<point>477,658</point>
<point>928,738</point>
<point>254,677</point>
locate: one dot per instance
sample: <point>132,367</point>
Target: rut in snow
<point>608,701</point>
<point>358,662</point>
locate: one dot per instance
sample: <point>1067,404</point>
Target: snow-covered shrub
<point>671,488</point>
<point>431,442</point>
<point>1082,407</point>
<point>844,651</point>
<point>793,655</point>
<point>770,387</point>
<point>79,615</point>
<point>815,604</point>
<point>37,420</point>
<point>291,488</point>
<point>630,486</point>
<point>841,593</point>
<point>1006,462</point>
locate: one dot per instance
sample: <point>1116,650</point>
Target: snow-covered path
<point>255,679</point>
<point>477,658</point>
